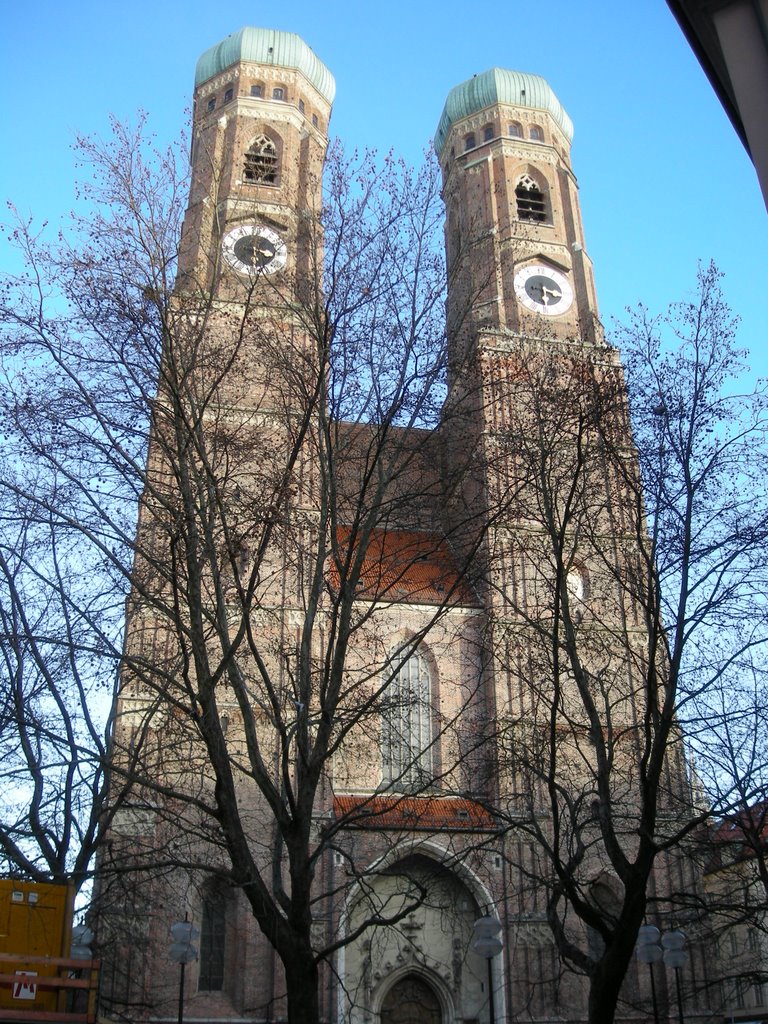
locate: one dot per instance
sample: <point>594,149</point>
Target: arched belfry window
<point>536,133</point>
<point>516,130</point>
<point>407,726</point>
<point>531,201</point>
<point>261,162</point>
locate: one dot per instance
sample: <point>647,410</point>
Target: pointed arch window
<point>213,936</point>
<point>407,728</point>
<point>531,201</point>
<point>261,164</point>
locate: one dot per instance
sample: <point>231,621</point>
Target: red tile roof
<point>750,823</point>
<point>413,813</point>
<point>406,565</point>
<point>738,837</point>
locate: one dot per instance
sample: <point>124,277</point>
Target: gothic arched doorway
<point>411,1001</point>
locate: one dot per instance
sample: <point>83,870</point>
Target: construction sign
<point>35,921</point>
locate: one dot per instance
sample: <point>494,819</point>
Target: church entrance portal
<point>411,1001</point>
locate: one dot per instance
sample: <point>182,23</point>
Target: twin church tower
<point>345,703</point>
<point>261,115</point>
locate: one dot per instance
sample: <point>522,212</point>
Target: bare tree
<point>637,600</point>
<point>54,710</point>
<point>262,467</point>
<point>258,479</point>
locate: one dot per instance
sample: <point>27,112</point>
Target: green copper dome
<point>499,86</point>
<point>266,46</point>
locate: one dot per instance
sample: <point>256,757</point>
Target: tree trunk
<point>605,986</point>
<point>302,986</point>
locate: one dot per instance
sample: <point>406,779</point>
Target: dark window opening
<point>469,141</point>
<point>257,90</point>
<point>228,94</point>
<point>278,93</point>
<point>536,133</point>
<point>314,121</point>
<point>516,130</point>
<point>212,104</point>
<point>212,941</point>
<point>488,133</point>
<point>531,202</point>
<point>261,162</point>
<point>301,106</point>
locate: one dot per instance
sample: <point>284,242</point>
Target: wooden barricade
<point>75,984</point>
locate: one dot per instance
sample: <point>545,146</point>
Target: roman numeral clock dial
<point>543,290</point>
<point>254,249</point>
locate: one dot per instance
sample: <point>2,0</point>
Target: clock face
<point>543,290</point>
<point>254,249</point>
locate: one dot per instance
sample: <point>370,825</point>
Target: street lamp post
<point>183,952</point>
<point>671,950</point>
<point>650,952</point>
<point>676,955</point>
<point>486,943</point>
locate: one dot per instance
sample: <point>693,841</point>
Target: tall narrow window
<point>531,203</point>
<point>576,582</point>
<point>213,934</point>
<point>536,133</point>
<point>407,728</point>
<point>516,130</point>
<point>469,141</point>
<point>261,162</point>
<point>488,133</point>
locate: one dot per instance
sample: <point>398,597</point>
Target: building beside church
<point>396,658</point>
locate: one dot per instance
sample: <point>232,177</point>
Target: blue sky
<point>664,180</point>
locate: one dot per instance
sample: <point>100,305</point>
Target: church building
<point>383,730</point>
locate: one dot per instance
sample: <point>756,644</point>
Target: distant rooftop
<point>497,85</point>
<point>266,46</point>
